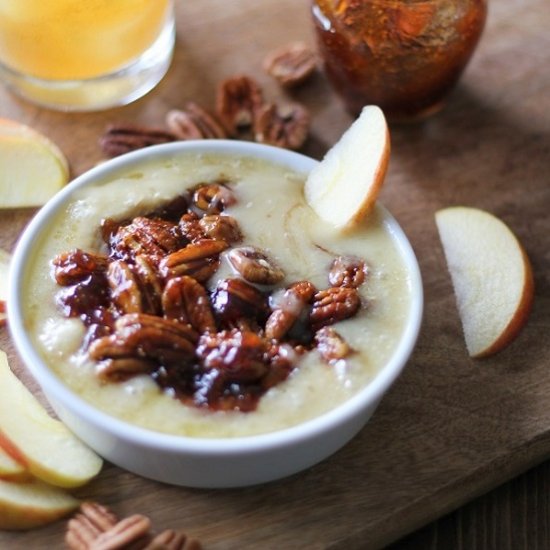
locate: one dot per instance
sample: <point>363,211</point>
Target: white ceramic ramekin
<point>195,462</point>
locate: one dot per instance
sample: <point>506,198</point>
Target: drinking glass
<point>85,54</point>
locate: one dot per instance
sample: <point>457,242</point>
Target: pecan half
<point>190,227</point>
<point>123,138</point>
<point>143,235</point>
<point>194,122</point>
<point>235,299</point>
<point>199,260</point>
<point>347,271</point>
<point>173,540</point>
<point>185,300</point>
<point>74,266</point>
<point>127,531</point>
<point>221,227</point>
<point>149,282</point>
<point>123,368</point>
<point>331,345</point>
<point>282,125</point>
<point>288,307</point>
<point>125,292</point>
<point>332,305</point>
<point>213,198</point>
<point>238,99</point>
<point>237,355</point>
<point>291,65</point>
<point>84,529</point>
<point>254,265</point>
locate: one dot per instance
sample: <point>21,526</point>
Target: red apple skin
<point>517,322</point>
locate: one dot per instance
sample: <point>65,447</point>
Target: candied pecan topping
<point>332,305</point>
<point>331,345</point>
<point>123,368</point>
<point>254,266</point>
<point>237,355</point>
<point>143,235</point>
<point>199,259</point>
<point>347,271</point>
<point>190,227</point>
<point>149,283</point>
<point>213,198</point>
<point>194,122</point>
<point>288,307</point>
<point>185,300</point>
<point>235,299</point>
<point>292,64</point>
<point>125,292</point>
<point>221,227</point>
<point>123,138</point>
<point>238,99</point>
<point>282,125</point>
<point>74,266</point>
<point>86,296</point>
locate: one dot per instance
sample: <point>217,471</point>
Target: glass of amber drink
<point>81,55</point>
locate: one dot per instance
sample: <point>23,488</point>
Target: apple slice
<point>10,469</point>
<point>32,504</point>
<point>32,167</point>
<point>344,186</point>
<point>491,275</point>
<point>38,441</point>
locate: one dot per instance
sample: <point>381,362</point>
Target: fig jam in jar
<point>403,55</point>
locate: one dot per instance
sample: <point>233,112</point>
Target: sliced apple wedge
<point>32,167</point>
<point>32,504</point>
<point>344,186</point>
<point>41,443</point>
<point>12,470</point>
<point>491,275</point>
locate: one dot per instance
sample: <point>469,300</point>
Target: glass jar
<point>403,55</point>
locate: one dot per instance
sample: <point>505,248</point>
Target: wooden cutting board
<point>451,428</point>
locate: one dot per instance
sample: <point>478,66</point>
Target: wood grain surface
<point>451,428</point>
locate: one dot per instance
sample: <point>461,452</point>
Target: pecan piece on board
<point>331,345</point>
<point>284,126</point>
<point>234,300</point>
<point>347,271</point>
<point>199,260</point>
<point>238,99</point>
<point>292,64</point>
<point>173,540</point>
<point>92,520</point>
<point>194,122</point>
<point>123,138</point>
<point>332,305</point>
<point>132,530</point>
<point>254,266</point>
<point>185,300</point>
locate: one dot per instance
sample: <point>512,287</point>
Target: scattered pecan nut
<point>123,138</point>
<point>292,64</point>
<point>332,305</point>
<point>173,540</point>
<point>284,126</point>
<point>194,122</point>
<point>254,266</point>
<point>238,98</point>
<point>347,271</point>
<point>92,520</point>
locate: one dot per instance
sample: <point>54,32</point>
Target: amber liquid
<point>404,56</point>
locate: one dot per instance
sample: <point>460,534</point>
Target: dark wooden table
<point>451,429</point>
